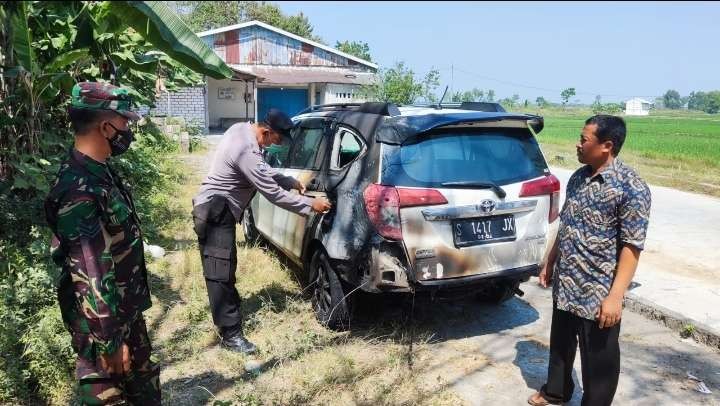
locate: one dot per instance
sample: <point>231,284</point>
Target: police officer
<point>238,170</point>
<point>103,286</point>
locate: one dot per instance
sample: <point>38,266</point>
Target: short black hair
<point>609,128</point>
<point>83,120</point>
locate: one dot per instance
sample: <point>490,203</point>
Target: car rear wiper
<point>484,185</point>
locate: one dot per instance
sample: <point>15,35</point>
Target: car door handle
<point>313,184</point>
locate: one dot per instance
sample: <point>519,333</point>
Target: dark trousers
<point>215,227</point>
<point>599,357</point>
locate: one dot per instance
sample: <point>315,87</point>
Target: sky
<point>612,49</point>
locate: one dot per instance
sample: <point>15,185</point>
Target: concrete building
<point>272,68</point>
<point>637,107</point>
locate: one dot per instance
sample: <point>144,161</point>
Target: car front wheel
<point>252,236</point>
<point>329,302</point>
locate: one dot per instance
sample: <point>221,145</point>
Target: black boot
<point>233,339</point>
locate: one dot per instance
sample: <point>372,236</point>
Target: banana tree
<point>46,47</point>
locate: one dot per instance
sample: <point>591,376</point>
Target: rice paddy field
<point>678,149</point>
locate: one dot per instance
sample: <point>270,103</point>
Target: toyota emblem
<point>487,206</point>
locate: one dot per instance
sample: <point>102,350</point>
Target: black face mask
<point>121,141</point>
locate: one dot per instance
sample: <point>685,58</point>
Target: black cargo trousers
<point>215,227</point>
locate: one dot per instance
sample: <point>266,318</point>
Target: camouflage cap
<point>103,96</point>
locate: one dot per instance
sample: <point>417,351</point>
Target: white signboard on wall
<point>226,93</point>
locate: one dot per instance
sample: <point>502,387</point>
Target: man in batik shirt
<point>602,232</point>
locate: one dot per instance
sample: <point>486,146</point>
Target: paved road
<point>497,355</point>
<point>680,268</point>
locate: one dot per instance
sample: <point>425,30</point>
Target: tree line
<point>708,102</point>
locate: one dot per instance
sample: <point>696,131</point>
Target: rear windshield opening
<point>500,156</point>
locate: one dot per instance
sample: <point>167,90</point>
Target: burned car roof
<point>399,129</point>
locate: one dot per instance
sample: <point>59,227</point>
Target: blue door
<point>290,101</point>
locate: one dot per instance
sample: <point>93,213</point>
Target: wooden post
<point>184,142</point>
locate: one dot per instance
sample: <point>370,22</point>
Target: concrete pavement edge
<point>675,321</point>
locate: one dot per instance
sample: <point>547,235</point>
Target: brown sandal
<point>537,399</point>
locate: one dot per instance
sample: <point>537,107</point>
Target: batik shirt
<point>98,243</point>
<point>601,214</point>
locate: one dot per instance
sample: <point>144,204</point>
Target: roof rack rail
<point>492,107</point>
<point>383,109</point>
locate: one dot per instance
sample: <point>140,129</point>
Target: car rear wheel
<point>498,292</point>
<point>328,300</point>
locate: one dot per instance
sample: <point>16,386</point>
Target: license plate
<point>484,230</point>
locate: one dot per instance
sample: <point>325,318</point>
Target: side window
<point>346,148</point>
<point>276,155</point>
<point>308,149</point>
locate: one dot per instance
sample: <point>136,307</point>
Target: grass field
<point>300,362</point>
<point>668,148</point>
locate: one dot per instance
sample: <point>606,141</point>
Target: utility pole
<point>452,78</point>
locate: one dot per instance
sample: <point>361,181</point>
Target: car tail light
<point>548,185</point>
<point>420,197</point>
<point>383,205</point>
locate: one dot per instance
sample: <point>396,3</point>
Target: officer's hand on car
<point>117,362</point>
<point>321,205</point>
<point>299,187</point>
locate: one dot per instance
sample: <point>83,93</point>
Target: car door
<point>304,162</point>
<point>262,209</point>
<point>342,178</point>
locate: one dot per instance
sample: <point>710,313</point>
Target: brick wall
<point>188,102</point>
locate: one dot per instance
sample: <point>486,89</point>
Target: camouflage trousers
<point>140,386</point>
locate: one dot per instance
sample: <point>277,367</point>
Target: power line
<point>506,82</point>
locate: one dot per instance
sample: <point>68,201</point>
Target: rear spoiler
<point>398,130</point>
<point>536,123</point>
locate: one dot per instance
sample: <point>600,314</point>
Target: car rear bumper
<point>385,268</point>
<point>523,273</point>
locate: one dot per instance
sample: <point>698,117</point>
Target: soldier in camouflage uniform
<point>103,287</point>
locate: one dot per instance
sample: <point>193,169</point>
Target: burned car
<point>424,199</point>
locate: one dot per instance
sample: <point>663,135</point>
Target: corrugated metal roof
<point>288,34</point>
<point>303,75</point>
<point>244,74</point>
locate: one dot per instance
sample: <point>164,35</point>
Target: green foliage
<point>46,47</point>
<point>400,86</point>
<point>672,100</point>
<point>687,331</point>
<point>155,22</point>
<point>607,108</point>
<point>473,95</point>
<point>26,288</point>
<point>207,15</point>
<point>510,102</point>
<point>355,48</point>
<point>51,360</point>
<point>150,175</point>
<point>566,94</point>
<point>708,102</point>
<point>541,102</point>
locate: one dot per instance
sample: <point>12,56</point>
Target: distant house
<point>272,68</point>
<point>637,107</point>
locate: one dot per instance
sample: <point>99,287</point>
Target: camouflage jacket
<point>98,243</point>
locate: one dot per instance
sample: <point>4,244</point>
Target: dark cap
<point>103,96</point>
<point>279,122</point>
